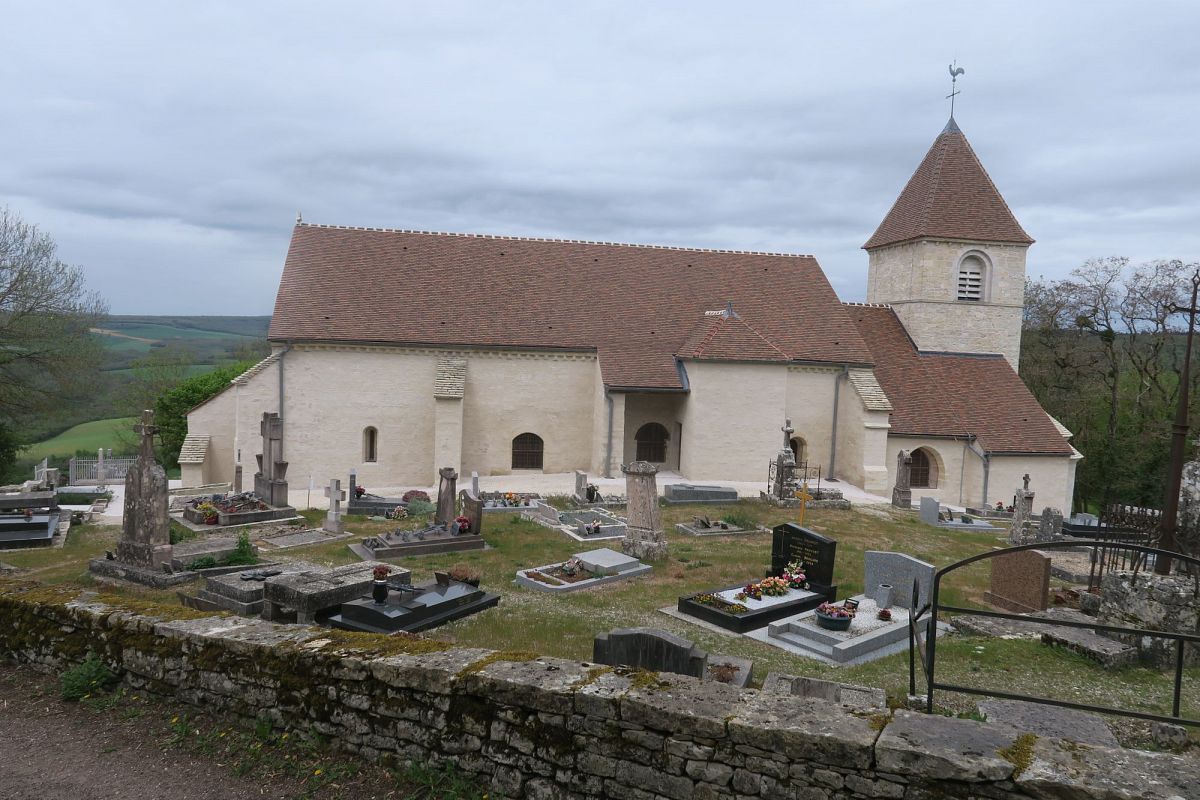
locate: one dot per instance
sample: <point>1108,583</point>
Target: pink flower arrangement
<point>381,572</point>
<point>830,610</point>
<point>794,575</point>
<point>771,587</point>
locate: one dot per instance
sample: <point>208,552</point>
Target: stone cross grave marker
<point>447,495</point>
<point>145,529</point>
<point>270,483</point>
<point>1020,532</point>
<point>644,537</point>
<point>790,542</point>
<point>333,518</point>
<point>788,430</point>
<point>902,492</point>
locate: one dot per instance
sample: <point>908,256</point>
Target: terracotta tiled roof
<point>725,335</point>
<point>940,394</point>
<point>636,306</point>
<point>950,196</point>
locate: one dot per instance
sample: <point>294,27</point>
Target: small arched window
<point>972,276</point>
<point>651,441</point>
<point>527,451</point>
<point>370,445</point>
<point>799,449</point>
<point>923,473</point>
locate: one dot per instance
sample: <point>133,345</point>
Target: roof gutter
<point>608,450</point>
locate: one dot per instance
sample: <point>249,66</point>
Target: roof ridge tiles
<point>504,238</point>
<point>866,305</point>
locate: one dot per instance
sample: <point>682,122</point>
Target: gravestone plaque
<point>790,542</point>
<point>930,508</point>
<point>1020,581</point>
<point>898,571</point>
<point>649,649</point>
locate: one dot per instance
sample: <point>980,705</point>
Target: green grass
<point>564,625</point>
<point>89,436</point>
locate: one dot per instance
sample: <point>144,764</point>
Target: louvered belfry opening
<point>970,279</point>
<point>527,451</point>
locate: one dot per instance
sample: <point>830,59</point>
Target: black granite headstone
<point>651,649</point>
<point>790,542</point>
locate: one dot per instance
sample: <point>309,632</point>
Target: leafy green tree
<point>172,407</point>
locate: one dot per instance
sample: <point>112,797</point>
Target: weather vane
<point>955,71</point>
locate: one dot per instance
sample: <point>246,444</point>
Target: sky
<point>168,147</point>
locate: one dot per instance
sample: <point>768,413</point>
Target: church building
<point>396,352</point>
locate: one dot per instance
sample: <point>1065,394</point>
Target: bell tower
<point>949,257</point>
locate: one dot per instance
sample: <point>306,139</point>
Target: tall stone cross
<point>333,519</point>
<point>1025,479</point>
<point>788,430</point>
<point>804,497</point>
<point>146,429</point>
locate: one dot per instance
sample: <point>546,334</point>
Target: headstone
<point>649,649</point>
<point>270,482</point>
<point>930,508</point>
<point>1020,581</point>
<point>333,518</point>
<point>644,538</point>
<point>475,484</point>
<point>145,529</point>
<point>898,571</point>
<point>1020,532</point>
<point>1050,529</point>
<point>237,479</point>
<point>447,493</point>
<point>790,543</point>
<point>581,485</point>
<point>902,492</point>
<point>473,510</point>
<point>784,484</point>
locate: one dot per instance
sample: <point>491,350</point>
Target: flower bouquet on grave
<point>833,617</point>
<point>464,524</point>
<point>359,491</point>
<point>415,494</point>
<point>209,512</point>
<point>884,615</point>
<point>379,588</point>
<point>399,512</point>
<point>511,499</point>
<point>795,576</point>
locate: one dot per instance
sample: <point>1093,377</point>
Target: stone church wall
<point>555,729</point>
<point>232,420</point>
<point>507,394</point>
<point>1052,479</point>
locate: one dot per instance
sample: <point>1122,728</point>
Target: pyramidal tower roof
<point>950,196</point>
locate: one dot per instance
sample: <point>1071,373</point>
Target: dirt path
<point>129,749</point>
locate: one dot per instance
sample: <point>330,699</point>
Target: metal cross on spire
<point>955,71</point>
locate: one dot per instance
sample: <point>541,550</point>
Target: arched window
<point>799,449</point>
<point>972,278</point>
<point>651,441</point>
<point>370,444</point>
<point>527,451</point>
<point>923,473</point>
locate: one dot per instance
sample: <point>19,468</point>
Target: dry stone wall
<point>539,727</point>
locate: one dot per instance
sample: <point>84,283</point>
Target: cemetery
<point>582,571</point>
<point>583,525</point>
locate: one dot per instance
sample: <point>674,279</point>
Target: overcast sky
<point>167,146</point>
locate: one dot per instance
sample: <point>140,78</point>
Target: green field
<point>106,433</point>
<point>208,339</point>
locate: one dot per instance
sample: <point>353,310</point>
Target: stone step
<point>804,643</point>
<point>1109,653</point>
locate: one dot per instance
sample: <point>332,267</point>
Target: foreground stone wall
<point>542,727</point>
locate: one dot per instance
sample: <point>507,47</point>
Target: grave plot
<point>707,526</point>
<point>932,514</point>
<point>231,511</point>
<point>800,578</point>
<point>865,627</point>
<point>661,651</point>
<point>242,592</point>
<point>588,495</point>
<point>583,525</point>
<point>29,519</point>
<point>448,533</point>
<point>400,607</point>
<point>692,493</point>
<point>313,596</point>
<point>367,504</point>
<point>582,571</point>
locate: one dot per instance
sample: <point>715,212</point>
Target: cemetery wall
<point>510,393</point>
<point>920,280</point>
<point>232,420</point>
<point>542,727</point>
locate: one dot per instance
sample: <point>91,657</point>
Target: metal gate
<point>925,652</point>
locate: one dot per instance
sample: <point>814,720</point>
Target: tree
<point>47,351</point>
<point>171,408</point>
<point>161,370</point>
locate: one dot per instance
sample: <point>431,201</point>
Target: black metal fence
<point>923,650</point>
